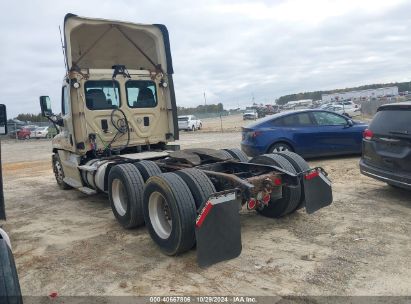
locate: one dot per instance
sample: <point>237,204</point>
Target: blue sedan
<point>310,133</point>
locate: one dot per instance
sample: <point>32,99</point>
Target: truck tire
<point>200,185</point>
<point>225,153</point>
<point>170,213</point>
<point>299,165</point>
<point>125,192</point>
<point>238,154</point>
<point>147,169</point>
<point>291,195</point>
<point>58,172</point>
<point>10,292</point>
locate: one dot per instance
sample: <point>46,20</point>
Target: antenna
<point>64,50</point>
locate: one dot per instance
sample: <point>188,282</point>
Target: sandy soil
<point>68,242</point>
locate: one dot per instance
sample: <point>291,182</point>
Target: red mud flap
<point>317,190</point>
<point>218,231</point>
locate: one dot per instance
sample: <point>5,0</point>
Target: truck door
<point>67,130</point>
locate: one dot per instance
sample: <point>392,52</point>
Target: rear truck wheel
<point>200,126</point>
<point>291,195</point>
<point>10,292</point>
<point>279,147</point>
<point>225,153</point>
<point>170,213</point>
<point>238,154</point>
<point>147,169</point>
<point>299,165</point>
<point>199,184</point>
<point>58,172</point>
<point>125,192</point>
<point>193,128</point>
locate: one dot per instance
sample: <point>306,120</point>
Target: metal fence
<point>370,107</point>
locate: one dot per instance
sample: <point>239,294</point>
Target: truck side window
<point>65,108</point>
<point>102,94</point>
<point>141,94</point>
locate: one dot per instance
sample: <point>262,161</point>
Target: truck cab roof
<point>136,46</point>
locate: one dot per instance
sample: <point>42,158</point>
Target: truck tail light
<point>311,175</point>
<point>368,134</point>
<point>252,203</point>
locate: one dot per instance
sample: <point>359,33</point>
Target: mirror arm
<point>56,121</point>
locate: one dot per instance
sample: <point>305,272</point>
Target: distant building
<point>361,94</point>
<point>302,103</point>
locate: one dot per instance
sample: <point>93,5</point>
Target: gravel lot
<point>68,242</point>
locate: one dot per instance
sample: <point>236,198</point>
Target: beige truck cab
<point>117,96</point>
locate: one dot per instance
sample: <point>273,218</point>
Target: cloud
<point>232,50</point>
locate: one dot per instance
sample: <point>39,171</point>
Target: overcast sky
<point>232,50</point>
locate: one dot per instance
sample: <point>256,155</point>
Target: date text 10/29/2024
<point>202,299</point>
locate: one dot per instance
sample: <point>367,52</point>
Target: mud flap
<point>218,231</point>
<point>317,190</point>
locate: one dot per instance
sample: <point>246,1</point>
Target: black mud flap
<point>218,231</point>
<point>317,190</point>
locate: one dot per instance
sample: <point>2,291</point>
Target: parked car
<point>250,115</point>
<point>345,110</point>
<point>310,133</point>
<point>44,132</point>
<point>31,128</point>
<point>386,154</point>
<point>189,123</point>
<point>23,133</point>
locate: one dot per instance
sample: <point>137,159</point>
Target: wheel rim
<point>280,148</point>
<point>58,172</point>
<point>160,215</point>
<point>119,196</point>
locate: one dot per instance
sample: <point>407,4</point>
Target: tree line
<point>31,117</point>
<point>201,109</point>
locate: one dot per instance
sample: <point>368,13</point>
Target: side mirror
<point>3,119</point>
<point>350,123</point>
<point>45,105</point>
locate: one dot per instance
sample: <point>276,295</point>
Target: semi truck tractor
<point>117,129</point>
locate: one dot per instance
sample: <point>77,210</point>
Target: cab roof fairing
<point>100,44</point>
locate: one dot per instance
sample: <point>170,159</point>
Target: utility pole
<point>3,131</point>
<point>205,102</point>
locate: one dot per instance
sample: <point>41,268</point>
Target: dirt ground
<point>68,242</point>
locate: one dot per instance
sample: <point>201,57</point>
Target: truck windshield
<point>141,94</point>
<point>102,94</point>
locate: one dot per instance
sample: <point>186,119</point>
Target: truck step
<point>72,182</point>
<point>87,168</point>
<point>87,190</point>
